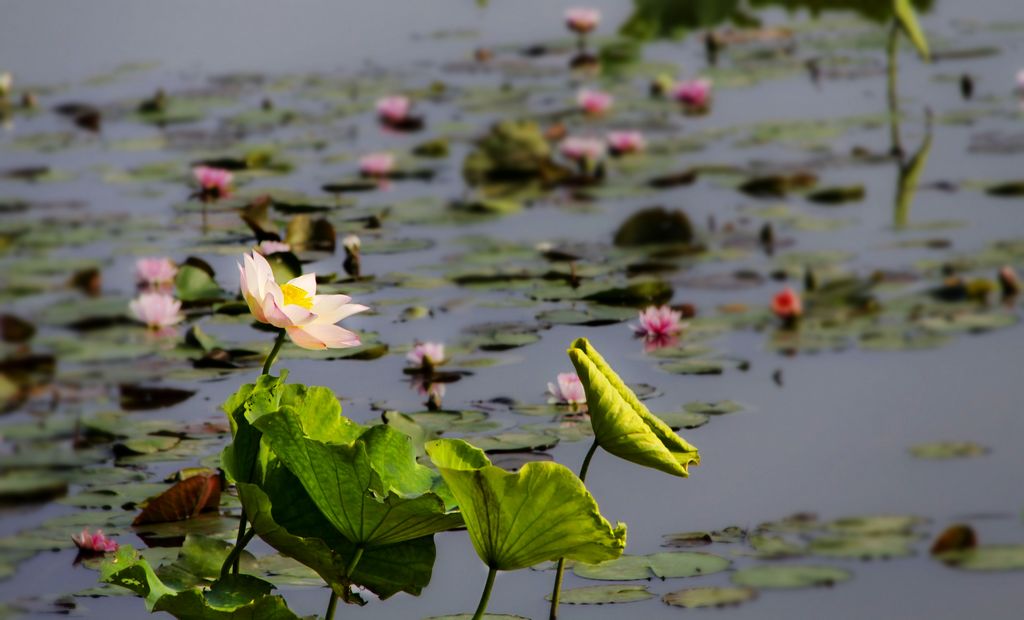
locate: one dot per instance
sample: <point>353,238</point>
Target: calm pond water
<point>829,416</point>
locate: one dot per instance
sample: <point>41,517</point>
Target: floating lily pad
<point>944,450</point>
<point>986,558</point>
<point>603,595</point>
<point>789,576</point>
<point>665,565</point>
<point>709,597</point>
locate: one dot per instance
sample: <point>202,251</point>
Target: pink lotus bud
<point>582,149</point>
<point>1008,281</point>
<point>155,270</point>
<point>594,102</point>
<point>394,109</point>
<point>582,19</point>
<point>377,164</point>
<point>94,543</point>
<point>624,142</point>
<point>568,390</point>
<point>694,94</point>
<point>425,354</point>
<point>213,182</point>
<point>269,247</point>
<point>787,305</point>
<point>156,310</point>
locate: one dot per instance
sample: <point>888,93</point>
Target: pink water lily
<point>786,305</point>
<point>155,270</point>
<point>659,322</point>
<point>624,142</point>
<point>694,94</point>
<point>568,390</point>
<point>581,19</point>
<point>308,318</point>
<point>213,182</point>
<point>426,354</point>
<point>582,149</point>
<point>394,109</point>
<point>377,164</point>
<point>594,102</point>
<point>269,247</point>
<point>97,542</point>
<point>156,310</point>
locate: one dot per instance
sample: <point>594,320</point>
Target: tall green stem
<point>481,609</point>
<point>273,353</point>
<point>893,96</point>
<point>331,606</point>
<point>556,592</point>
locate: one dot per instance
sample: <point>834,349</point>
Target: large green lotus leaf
<point>234,597</point>
<point>906,17</point>
<point>622,424</point>
<point>371,490</point>
<point>542,512</point>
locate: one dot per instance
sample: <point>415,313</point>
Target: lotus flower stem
<point>234,560</point>
<point>273,352</point>
<point>557,591</point>
<point>894,103</point>
<point>481,609</point>
<point>331,606</point>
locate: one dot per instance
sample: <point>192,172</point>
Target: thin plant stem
<point>234,559</point>
<point>894,104</point>
<point>273,352</point>
<point>481,609</point>
<point>556,592</point>
<point>331,606</point>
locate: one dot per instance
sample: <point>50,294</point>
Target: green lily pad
<point>693,598</point>
<point>666,565</point>
<point>789,576</point>
<point>986,558</point>
<point>944,450</point>
<point>879,547</point>
<point>603,595</point>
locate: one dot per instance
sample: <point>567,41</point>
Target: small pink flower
<point>568,391</point>
<point>155,270</point>
<point>582,19</point>
<point>429,389</point>
<point>582,149</point>
<point>694,94</point>
<point>394,109</point>
<point>787,305</point>
<point>1020,82</point>
<point>1009,281</point>
<point>659,322</point>
<point>213,182</point>
<point>624,142</point>
<point>94,543</point>
<point>156,310</point>
<point>594,102</point>
<point>269,247</point>
<point>377,164</point>
<point>426,354</point>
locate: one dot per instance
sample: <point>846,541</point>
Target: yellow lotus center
<point>295,296</point>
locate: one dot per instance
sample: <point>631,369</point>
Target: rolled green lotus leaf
<point>622,424</point>
<point>543,512</point>
<point>906,17</point>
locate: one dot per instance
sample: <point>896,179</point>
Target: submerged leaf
<point>622,424</point>
<point>543,512</point>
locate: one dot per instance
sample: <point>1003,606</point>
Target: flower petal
<point>306,282</point>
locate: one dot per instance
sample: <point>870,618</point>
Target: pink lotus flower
<point>694,94</point>
<point>787,305</point>
<point>394,109</point>
<point>155,270</point>
<point>269,247</point>
<point>594,102</point>
<point>213,182</point>
<point>582,149</point>
<point>156,310</point>
<point>624,142</point>
<point>308,318</point>
<point>1020,82</point>
<point>581,19</point>
<point>94,543</point>
<point>1009,281</point>
<point>568,391</point>
<point>426,354</point>
<point>659,322</point>
<point>352,243</point>
<point>377,164</point>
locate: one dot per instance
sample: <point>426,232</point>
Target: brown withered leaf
<point>184,500</point>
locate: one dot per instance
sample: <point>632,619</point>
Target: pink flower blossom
<point>582,149</point>
<point>594,102</point>
<point>156,310</point>
<point>377,164</point>
<point>623,142</point>
<point>659,322</point>
<point>269,247</point>
<point>1020,82</point>
<point>94,543</point>
<point>694,94</point>
<point>426,354</point>
<point>155,270</point>
<point>394,109</point>
<point>1009,281</point>
<point>568,391</point>
<point>581,19</point>
<point>213,182</point>
<point>786,304</point>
